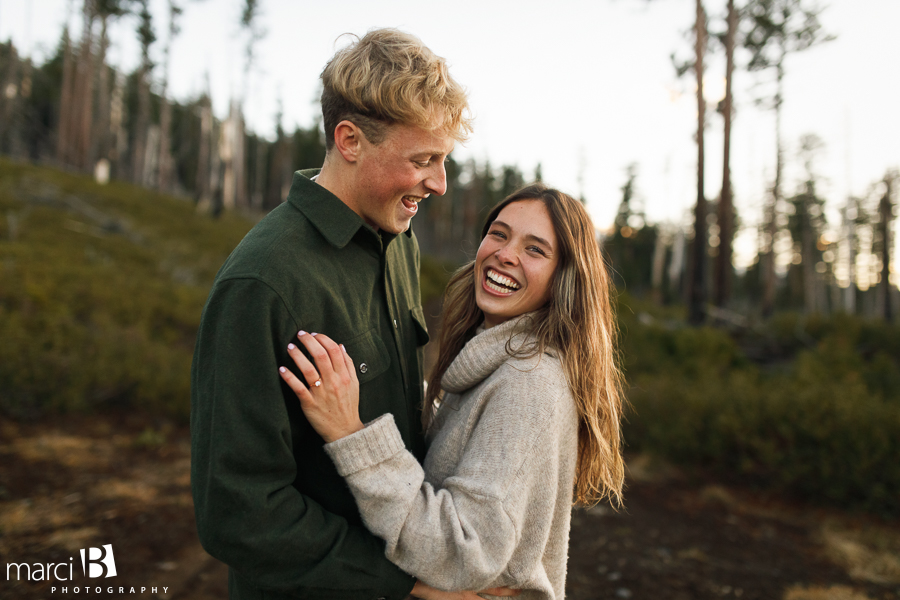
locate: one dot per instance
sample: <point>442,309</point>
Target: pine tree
<point>166,166</point>
<point>778,28</point>
<point>723,266</point>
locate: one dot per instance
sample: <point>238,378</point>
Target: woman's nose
<point>507,255</point>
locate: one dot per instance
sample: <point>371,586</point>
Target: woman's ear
<point>347,140</point>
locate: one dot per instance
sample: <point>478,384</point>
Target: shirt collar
<point>329,215</point>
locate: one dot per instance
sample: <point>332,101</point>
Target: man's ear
<point>347,140</point>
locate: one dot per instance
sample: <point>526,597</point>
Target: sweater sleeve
<point>249,513</point>
<point>462,534</point>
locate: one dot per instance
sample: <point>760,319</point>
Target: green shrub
<point>826,427</point>
<point>101,289</point>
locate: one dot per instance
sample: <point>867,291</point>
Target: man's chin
<point>400,226</point>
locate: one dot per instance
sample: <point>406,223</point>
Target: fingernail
<point>344,349</point>
<point>282,370</point>
<point>301,333</point>
<point>291,346</point>
<point>314,334</point>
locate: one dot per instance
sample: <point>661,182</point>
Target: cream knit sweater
<point>492,506</point>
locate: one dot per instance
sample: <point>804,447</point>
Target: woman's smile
<point>496,282</point>
<point>516,262</point>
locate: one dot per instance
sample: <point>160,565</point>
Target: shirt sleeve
<point>461,535</point>
<point>249,514</point>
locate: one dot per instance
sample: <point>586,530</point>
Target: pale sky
<point>583,87</point>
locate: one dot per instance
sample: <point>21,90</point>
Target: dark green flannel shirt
<point>268,500</point>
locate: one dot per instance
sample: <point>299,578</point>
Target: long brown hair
<point>578,322</point>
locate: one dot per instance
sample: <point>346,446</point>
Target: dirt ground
<point>79,482</point>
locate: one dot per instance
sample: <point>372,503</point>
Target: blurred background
<point>740,161</point>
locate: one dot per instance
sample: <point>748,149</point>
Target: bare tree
<point>697,286</point>
<point>102,142</point>
<point>164,181</point>
<point>236,171</point>
<point>726,226</point>
<point>142,121</point>
<point>885,221</point>
<point>63,133</point>
<point>81,111</point>
<point>202,184</point>
<point>777,29</point>
<point>808,221</point>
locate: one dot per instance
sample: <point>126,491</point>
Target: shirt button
<point>363,367</point>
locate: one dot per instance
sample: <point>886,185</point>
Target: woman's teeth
<point>500,283</point>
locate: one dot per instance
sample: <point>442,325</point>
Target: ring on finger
<point>318,382</point>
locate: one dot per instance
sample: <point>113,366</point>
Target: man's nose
<point>436,182</point>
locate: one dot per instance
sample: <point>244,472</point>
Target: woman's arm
<point>463,534</point>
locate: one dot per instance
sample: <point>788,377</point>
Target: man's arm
<point>249,514</point>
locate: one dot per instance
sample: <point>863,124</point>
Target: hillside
<point>101,289</point>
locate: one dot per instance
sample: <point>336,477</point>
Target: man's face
<point>393,176</point>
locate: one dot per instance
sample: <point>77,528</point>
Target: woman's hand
<point>426,592</point>
<point>330,397</point>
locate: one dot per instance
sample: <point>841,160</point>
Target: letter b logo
<point>99,562</point>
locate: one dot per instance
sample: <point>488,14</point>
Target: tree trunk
<point>165,125</point>
<point>658,267</point>
<point>808,241</point>
<point>202,183</point>
<point>63,135</point>
<point>697,288</point>
<point>83,101</point>
<point>241,196</point>
<point>9,119</point>
<point>117,128</point>
<point>771,226</point>
<point>142,123</point>
<point>726,227</point>
<point>886,213</point>
<point>850,224</point>
<point>226,155</point>
<point>100,148</point>
<point>165,180</point>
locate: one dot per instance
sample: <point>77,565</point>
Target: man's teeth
<point>494,277</point>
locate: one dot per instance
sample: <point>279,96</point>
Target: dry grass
<point>869,554</point>
<point>835,592</point>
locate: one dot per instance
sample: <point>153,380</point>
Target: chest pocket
<point>370,355</point>
<point>418,319</point>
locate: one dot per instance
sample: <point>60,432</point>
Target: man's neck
<point>335,178</point>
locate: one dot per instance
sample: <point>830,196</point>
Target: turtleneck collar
<point>485,352</point>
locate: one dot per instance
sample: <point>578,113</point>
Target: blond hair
<point>391,77</point>
<point>578,322</point>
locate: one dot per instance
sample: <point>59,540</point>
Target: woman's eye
<point>498,234</point>
<point>536,249</point>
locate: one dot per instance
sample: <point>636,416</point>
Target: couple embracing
<point>323,466</point>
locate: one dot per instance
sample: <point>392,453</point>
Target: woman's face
<point>515,262</point>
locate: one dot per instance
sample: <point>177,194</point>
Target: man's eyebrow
<point>434,152</point>
<point>530,236</point>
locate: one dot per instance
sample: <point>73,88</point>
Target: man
<point>338,258</point>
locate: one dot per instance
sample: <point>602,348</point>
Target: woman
<point>523,404</point>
